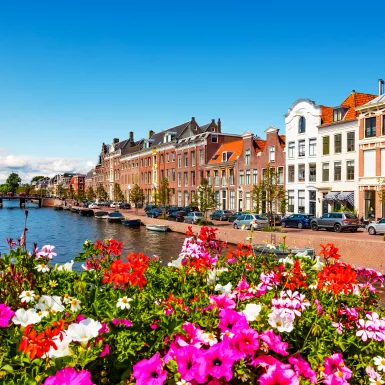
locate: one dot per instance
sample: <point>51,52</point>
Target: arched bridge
<point>21,198</point>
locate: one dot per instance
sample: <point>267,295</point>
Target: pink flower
<point>127,323</point>
<point>320,310</point>
<point>154,325</point>
<point>104,328</point>
<point>274,342</point>
<point>80,318</point>
<point>192,337</point>
<point>243,290</point>
<point>278,375</point>
<point>246,341</point>
<point>105,351</point>
<point>6,313</point>
<point>222,302</point>
<point>303,368</point>
<point>150,372</point>
<point>188,365</point>
<point>69,376</point>
<point>265,361</point>
<point>232,321</point>
<point>335,370</point>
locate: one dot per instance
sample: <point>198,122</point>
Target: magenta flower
<point>231,320</point>
<point>303,368</point>
<point>104,328</point>
<point>105,351</point>
<point>274,342</point>
<point>320,310</point>
<point>69,376</point>
<point>193,335</point>
<point>267,361</point>
<point>218,362</point>
<point>278,375</point>
<point>246,341</point>
<point>335,370</point>
<point>222,302</point>
<point>6,313</point>
<point>127,323</point>
<point>243,290</point>
<point>150,372</point>
<point>188,364</point>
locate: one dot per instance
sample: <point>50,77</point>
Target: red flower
<point>295,278</point>
<point>329,251</point>
<point>337,278</point>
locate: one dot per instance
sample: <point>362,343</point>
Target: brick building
<point>372,156</point>
<point>77,183</point>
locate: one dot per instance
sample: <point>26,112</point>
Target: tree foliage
<point>36,178</point>
<point>90,194</point>
<point>136,196</point>
<point>118,194</point>
<point>101,193</point>
<point>13,182</point>
<point>206,196</point>
<point>164,192</point>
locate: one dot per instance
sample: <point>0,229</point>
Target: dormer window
<point>338,114</point>
<point>214,139</point>
<point>302,125</point>
<point>224,157</point>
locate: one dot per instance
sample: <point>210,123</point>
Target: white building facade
<point>302,121</point>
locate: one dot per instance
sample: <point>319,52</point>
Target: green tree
<point>90,194</point>
<point>136,196</point>
<point>60,191</point>
<point>118,195</point>
<point>164,192</point>
<point>4,188</point>
<point>257,197</point>
<point>81,196</point>
<point>36,178</point>
<point>13,182</point>
<point>206,196</point>
<point>194,200</point>
<point>72,194</point>
<point>101,193</point>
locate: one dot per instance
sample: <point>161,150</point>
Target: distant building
<point>77,183</point>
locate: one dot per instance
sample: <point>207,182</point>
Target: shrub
<point>272,229</point>
<point>203,222</point>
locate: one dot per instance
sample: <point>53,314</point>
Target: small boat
<point>132,222</point>
<point>87,213</point>
<point>75,210</point>
<point>160,228</point>
<point>58,207</point>
<point>101,215</point>
<point>115,217</point>
<point>278,252</point>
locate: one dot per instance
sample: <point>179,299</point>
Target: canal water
<point>67,231</point>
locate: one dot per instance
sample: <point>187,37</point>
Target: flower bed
<point>214,316</point>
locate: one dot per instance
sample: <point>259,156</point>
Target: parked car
<point>150,207</point>
<point>274,219</point>
<point>93,206</point>
<point>301,221</point>
<point>377,227</point>
<point>234,216</point>
<point>336,222</point>
<point>193,217</point>
<point>154,213</point>
<point>177,216</point>
<point>190,209</point>
<point>221,215</point>
<point>126,206</point>
<point>248,220</point>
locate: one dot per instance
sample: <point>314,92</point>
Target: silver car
<point>376,227</point>
<point>248,220</point>
<point>193,217</point>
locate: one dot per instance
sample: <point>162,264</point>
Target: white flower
<point>84,331</point>
<point>281,320</point>
<point>66,267</point>
<point>27,296</point>
<point>49,303</point>
<point>224,289</point>
<point>286,260</point>
<point>318,265</point>
<point>176,262</point>
<point>75,304</point>
<point>375,381</point>
<point>252,311</point>
<point>208,339</point>
<point>380,363</point>
<point>43,268</point>
<point>270,246</point>
<point>124,303</point>
<point>212,275</point>
<point>24,317</point>
<point>63,349</point>
<point>46,251</point>
<point>183,382</point>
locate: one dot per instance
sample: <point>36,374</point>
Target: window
<point>325,145</point>
<point>383,124</point>
<point>291,150</point>
<point>338,114</point>
<point>224,156</point>
<point>179,179</point>
<point>271,154</point>
<point>216,178</point>
<point>291,174</point>
<point>192,178</point>
<point>337,143</point>
<point>301,148</point>
<point>241,178</point>
<point>337,171</point>
<point>325,172</point>
<point>301,173</point>
<point>255,177</point>
<point>370,127</point>
<point>302,125</point>
<point>186,159</point>
<point>290,201</point>
<point>301,201</point>
<point>369,162</point>
<point>167,157</point>
<point>248,200</point>
<point>173,156</point>
<point>247,156</point>
<point>192,158</point>
<point>312,147</point>
<point>214,138</point>
<point>186,178</point>
<point>312,202</point>
<point>350,170</point>
<point>247,177</point>
<point>280,175</point>
<point>173,174</point>
<point>201,157</point>
<point>179,198</point>
<point>350,136</point>
<point>232,178</point>
<point>180,161</point>
<point>168,174</point>
<point>232,200</point>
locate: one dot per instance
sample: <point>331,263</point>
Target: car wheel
<point>314,226</point>
<point>300,225</point>
<point>372,231</point>
<point>235,226</point>
<point>337,228</point>
<point>283,224</point>
<point>355,229</point>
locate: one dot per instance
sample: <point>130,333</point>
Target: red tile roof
<point>235,147</point>
<point>260,145</point>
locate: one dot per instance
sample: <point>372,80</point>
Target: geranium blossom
<point>27,296</point>
<point>150,372</point>
<point>46,252</point>
<point>282,320</point>
<point>69,376</point>
<point>335,369</point>
<point>6,314</point>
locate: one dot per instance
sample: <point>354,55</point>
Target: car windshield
<point>261,217</point>
<point>227,212</point>
<point>350,216</point>
<point>198,214</point>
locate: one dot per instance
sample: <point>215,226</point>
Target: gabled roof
<point>379,100</point>
<point>355,99</point>
<point>235,147</point>
<point>130,149</point>
<point>260,145</point>
<point>90,174</point>
<point>205,127</point>
<point>158,137</point>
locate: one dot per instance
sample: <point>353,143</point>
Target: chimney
<point>212,120</point>
<point>150,133</point>
<point>219,124</point>
<point>131,136</point>
<point>115,140</point>
<point>381,86</point>
<point>193,119</point>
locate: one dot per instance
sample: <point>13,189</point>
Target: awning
<point>347,196</point>
<point>331,196</point>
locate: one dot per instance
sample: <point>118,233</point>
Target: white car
<point>93,206</point>
<point>114,205</point>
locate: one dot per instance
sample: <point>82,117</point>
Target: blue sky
<point>78,73</point>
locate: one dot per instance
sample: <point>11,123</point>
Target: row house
<point>371,143</point>
<point>239,165</point>
<point>77,183</point>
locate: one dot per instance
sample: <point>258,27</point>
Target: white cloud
<point>28,166</point>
